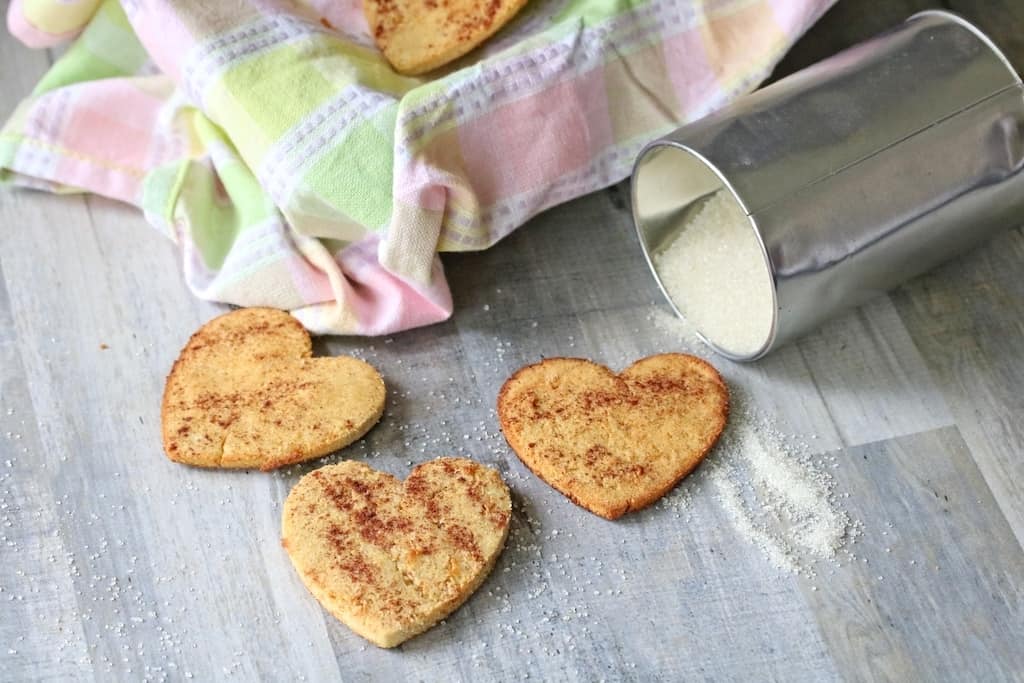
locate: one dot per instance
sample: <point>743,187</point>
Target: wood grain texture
<point>40,605</point>
<point>119,565</point>
<point>873,391</point>
<point>939,581</point>
<point>967,317</point>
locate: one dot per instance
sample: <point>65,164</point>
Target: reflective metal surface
<point>857,173</point>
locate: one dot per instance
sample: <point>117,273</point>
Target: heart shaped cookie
<point>419,35</point>
<point>389,558</point>
<point>613,443</point>
<point>245,392</point>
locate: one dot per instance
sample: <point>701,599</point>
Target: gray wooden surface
<point>117,564</point>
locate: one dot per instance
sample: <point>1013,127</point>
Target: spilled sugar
<point>672,326</point>
<point>774,490</point>
<point>775,493</point>
<point>715,273</point>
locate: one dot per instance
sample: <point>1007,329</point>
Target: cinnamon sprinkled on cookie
<point>245,392</point>
<point>391,559</point>
<point>613,443</point>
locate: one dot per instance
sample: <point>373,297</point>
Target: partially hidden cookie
<point>419,35</point>
<point>246,392</point>
<point>390,558</point>
<point>610,442</point>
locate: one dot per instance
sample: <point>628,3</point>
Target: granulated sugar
<point>778,552</point>
<point>676,327</point>
<point>716,275</point>
<point>776,495</point>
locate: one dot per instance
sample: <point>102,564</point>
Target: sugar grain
<point>716,275</point>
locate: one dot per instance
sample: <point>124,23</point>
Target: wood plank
<point>161,564</point>
<point>936,591</point>
<point>605,269</point>
<point>967,317</point>
<point>872,377</point>
<point>39,634</point>
<point>22,70</point>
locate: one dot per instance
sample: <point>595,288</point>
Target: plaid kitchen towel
<point>295,169</point>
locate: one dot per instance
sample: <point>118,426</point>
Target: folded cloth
<point>296,169</point>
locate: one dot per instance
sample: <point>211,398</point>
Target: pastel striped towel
<point>295,169</point>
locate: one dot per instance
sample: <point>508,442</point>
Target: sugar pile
<point>777,494</point>
<point>716,275</point>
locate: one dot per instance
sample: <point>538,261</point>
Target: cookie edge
<point>613,513</point>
